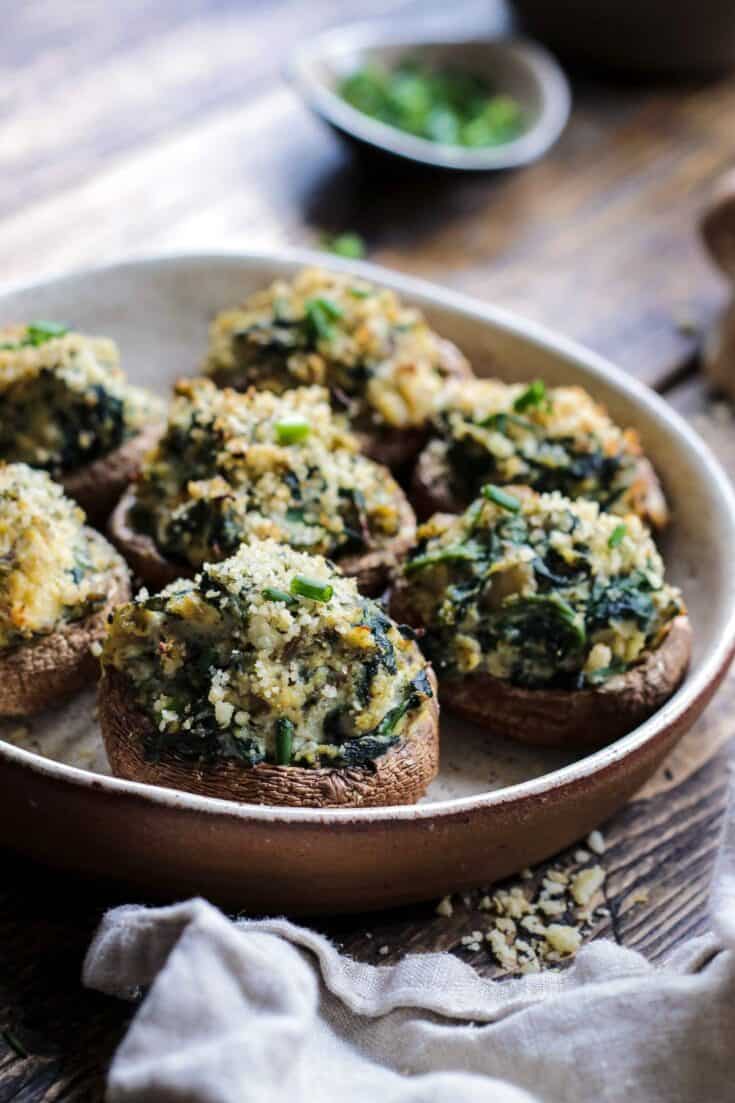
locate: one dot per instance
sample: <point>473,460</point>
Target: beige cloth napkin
<point>264,1010</point>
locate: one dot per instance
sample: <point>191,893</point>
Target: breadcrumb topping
<point>271,654</point>
<point>539,590</point>
<point>232,467</point>
<point>378,357</point>
<point>52,568</point>
<point>65,400</point>
<point>555,438</point>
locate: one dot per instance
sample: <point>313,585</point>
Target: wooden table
<point>139,127</point>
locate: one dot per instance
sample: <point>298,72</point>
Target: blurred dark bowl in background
<point>642,37</point>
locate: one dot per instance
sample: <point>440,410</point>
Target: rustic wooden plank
<point>615,199</point>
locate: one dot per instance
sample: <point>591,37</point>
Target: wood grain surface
<point>143,127</point>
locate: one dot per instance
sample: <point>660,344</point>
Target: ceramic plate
<point>495,807</point>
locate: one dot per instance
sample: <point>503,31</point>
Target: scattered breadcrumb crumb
<point>639,896</point>
<point>563,939</point>
<point>596,842</point>
<point>586,883</point>
<point>384,950</point>
<point>444,907</point>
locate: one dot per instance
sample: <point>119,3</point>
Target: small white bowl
<point>514,66</point>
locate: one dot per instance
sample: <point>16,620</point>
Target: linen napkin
<point>240,1011</point>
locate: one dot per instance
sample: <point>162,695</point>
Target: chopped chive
<point>457,553</point>
<point>311,588</point>
<point>501,498</point>
<point>278,595</point>
<point>533,395</point>
<point>291,430</point>
<point>15,1043</point>
<point>39,332</point>
<point>348,244</point>
<point>320,313</point>
<point>284,741</point>
<point>617,535</point>
<point>360,292</point>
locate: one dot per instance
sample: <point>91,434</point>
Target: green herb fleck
<point>37,333</point>
<point>534,395</point>
<point>284,741</point>
<point>348,244</point>
<point>292,430</point>
<point>456,553</point>
<point>311,588</point>
<point>320,313</point>
<point>617,535</point>
<point>501,498</point>
<point>271,594</point>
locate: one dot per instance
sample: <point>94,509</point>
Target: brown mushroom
<point>400,776</point>
<point>718,231</point>
<point>97,486</point>
<point>38,674</point>
<point>371,569</point>
<point>432,491</point>
<point>577,718</point>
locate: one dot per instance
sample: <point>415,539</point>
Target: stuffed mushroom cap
<point>58,581</point>
<point>384,366</point>
<point>68,409</point>
<point>555,438</point>
<point>265,670</point>
<point>233,467</point>
<point>546,619</point>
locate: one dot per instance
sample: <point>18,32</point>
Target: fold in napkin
<point>264,1010</point>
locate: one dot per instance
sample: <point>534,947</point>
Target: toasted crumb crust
<point>396,448</point>
<point>431,491</point>
<point>34,676</point>
<point>588,717</point>
<point>98,486</point>
<point>400,776</point>
<point>371,569</point>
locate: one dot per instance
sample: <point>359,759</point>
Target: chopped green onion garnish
<point>501,498</point>
<point>438,103</point>
<point>320,313</point>
<point>617,535</point>
<point>309,587</point>
<point>37,333</point>
<point>533,395</point>
<point>278,595</point>
<point>455,554</point>
<point>345,245</point>
<point>284,741</point>
<point>360,292</point>
<point>291,430</point>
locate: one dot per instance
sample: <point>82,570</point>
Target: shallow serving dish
<point>495,807</point>
<point>520,68</point>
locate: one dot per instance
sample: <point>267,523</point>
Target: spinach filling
<point>262,350</point>
<point>576,467</point>
<point>198,734</point>
<point>223,473</point>
<point>87,424</point>
<point>536,615</point>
